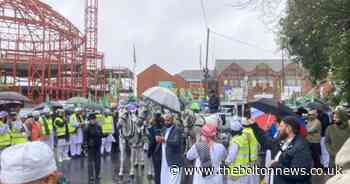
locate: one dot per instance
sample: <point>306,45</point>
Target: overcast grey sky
<point>169,32</point>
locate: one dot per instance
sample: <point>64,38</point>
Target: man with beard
<point>337,134</point>
<point>314,137</point>
<point>289,150</point>
<point>171,142</point>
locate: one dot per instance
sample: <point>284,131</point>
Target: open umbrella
<point>77,100</point>
<point>49,105</point>
<point>5,102</point>
<point>13,96</point>
<point>93,106</point>
<point>272,106</point>
<point>163,97</point>
<point>318,105</point>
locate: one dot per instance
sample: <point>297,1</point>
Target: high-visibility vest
<point>107,126</point>
<point>48,121</point>
<point>72,119</point>
<point>18,137</point>
<point>60,131</point>
<point>246,155</point>
<point>255,146</point>
<point>5,138</point>
<point>100,118</point>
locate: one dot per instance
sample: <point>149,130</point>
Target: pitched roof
<point>249,64</point>
<point>194,75</point>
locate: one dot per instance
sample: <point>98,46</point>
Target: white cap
<point>36,114</point>
<point>78,109</point>
<point>236,125</point>
<point>3,114</point>
<point>212,119</point>
<point>26,163</point>
<point>46,111</point>
<point>23,115</point>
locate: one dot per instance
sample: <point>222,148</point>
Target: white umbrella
<point>163,97</point>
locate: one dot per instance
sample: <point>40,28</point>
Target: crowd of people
<point>313,139</point>
<point>70,133</point>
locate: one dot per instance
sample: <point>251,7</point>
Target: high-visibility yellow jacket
<point>44,120</point>
<point>100,118</point>
<point>72,119</point>
<point>246,155</point>
<point>18,137</point>
<point>5,137</point>
<point>60,131</point>
<point>107,126</point>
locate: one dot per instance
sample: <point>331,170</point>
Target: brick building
<point>195,80</point>
<point>253,79</point>
<point>156,76</point>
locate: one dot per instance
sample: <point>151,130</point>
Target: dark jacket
<point>175,147</point>
<point>325,122</point>
<point>214,103</point>
<point>93,136</point>
<point>153,131</point>
<point>297,155</point>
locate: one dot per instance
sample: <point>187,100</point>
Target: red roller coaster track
<point>46,55</point>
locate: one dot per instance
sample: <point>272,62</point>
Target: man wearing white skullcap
<point>242,152</point>
<point>214,120</point>
<point>236,125</point>
<point>28,163</point>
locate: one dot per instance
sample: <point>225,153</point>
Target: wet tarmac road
<point>76,172</point>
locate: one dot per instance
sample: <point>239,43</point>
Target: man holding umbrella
<point>289,150</point>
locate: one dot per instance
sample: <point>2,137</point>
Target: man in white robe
<point>172,152</point>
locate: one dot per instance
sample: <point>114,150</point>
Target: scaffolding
<point>45,55</point>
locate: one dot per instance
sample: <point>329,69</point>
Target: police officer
<point>18,133</point>
<point>93,140</point>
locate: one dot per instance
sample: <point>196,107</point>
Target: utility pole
<point>200,56</point>
<point>283,74</point>
<point>134,72</point>
<point>206,70</point>
<point>200,68</point>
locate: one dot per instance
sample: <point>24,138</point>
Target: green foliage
<point>316,34</point>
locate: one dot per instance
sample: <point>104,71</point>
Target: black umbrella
<point>13,96</point>
<point>318,105</point>
<point>49,105</point>
<point>272,106</point>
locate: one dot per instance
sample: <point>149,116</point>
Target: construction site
<point>43,55</point>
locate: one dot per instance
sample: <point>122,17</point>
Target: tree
<point>316,34</point>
